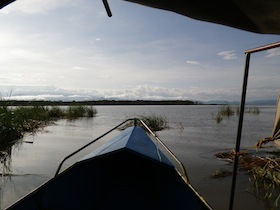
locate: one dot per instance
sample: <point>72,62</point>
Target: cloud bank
<point>144,92</point>
<point>272,52</point>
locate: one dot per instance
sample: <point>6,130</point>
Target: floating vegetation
<point>153,121</point>
<point>275,153</point>
<point>266,180</point>
<point>263,141</point>
<point>221,173</point>
<point>264,173</point>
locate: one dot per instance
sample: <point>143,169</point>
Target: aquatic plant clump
<point>154,122</point>
<point>16,121</point>
<point>90,111</point>
<point>228,111</point>
<point>253,110</point>
<point>56,112</point>
<point>74,112</point>
<point>219,117</point>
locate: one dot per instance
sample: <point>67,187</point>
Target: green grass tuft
<point>16,121</point>
<point>153,121</point>
<point>74,112</point>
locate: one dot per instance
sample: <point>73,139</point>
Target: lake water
<point>194,136</point>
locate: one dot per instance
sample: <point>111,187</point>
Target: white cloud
<point>272,52</point>
<point>145,92</point>
<point>228,55</point>
<point>70,46</point>
<point>27,54</point>
<point>34,97</point>
<point>34,6</point>
<point>78,68</point>
<point>193,62</point>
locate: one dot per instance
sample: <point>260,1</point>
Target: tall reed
<point>225,110</point>
<point>16,121</point>
<point>154,122</point>
<point>74,112</point>
<point>228,111</point>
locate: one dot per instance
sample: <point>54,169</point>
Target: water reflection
<point>5,157</point>
<point>6,171</point>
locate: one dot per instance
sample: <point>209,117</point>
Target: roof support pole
<point>239,131</point>
<point>241,114</point>
<point>106,5</point>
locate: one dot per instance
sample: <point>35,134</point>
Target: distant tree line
<point>97,102</point>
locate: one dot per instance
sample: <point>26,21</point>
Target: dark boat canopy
<point>4,3</point>
<point>259,16</point>
<point>251,15</point>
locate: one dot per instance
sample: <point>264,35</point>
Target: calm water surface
<point>194,137</point>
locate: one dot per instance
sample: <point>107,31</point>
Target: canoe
<point>128,172</point>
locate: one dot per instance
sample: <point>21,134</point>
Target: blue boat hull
<point>120,178</point>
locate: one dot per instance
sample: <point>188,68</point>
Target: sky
<point>71,50</point>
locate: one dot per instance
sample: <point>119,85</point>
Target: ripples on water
<point>194,136</point>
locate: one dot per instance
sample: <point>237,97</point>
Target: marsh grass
<point>90,111</point>
<point>219,117</point>
<point>253,110</point>
<point>17,121</point>
<point>56,112</point>
<point>249,110</point>
<point>154,122</point>
<point>227,111</point>
<point>74,112</point>
<point>10,128</point>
